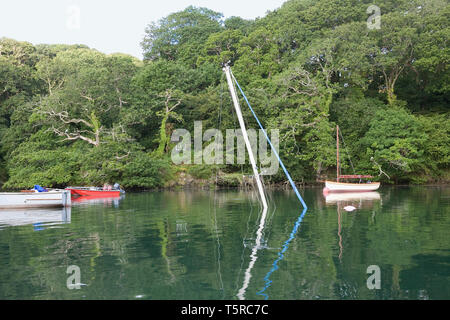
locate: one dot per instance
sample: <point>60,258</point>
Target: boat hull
<point>94,193</point>
<point>51,199</point>
<point>333,186</point>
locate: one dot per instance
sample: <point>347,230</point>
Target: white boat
<point>31,199</point>
<point>351,187</point>
<point>337,186</point>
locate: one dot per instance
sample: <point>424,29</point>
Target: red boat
<point>93,191</point>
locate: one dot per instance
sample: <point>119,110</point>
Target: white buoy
<point>349,208</point>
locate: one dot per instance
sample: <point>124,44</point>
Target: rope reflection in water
<point>281,255</point>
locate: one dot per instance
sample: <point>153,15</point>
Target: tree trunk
<point>162,136</point>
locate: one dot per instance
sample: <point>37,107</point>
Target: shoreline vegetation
<point>71,115</point>
<point>238,181</point>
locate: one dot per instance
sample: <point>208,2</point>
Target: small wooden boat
<point>34,199</point>
<point>351,187</point>
<point>337,186</point>
<point>94,191</point>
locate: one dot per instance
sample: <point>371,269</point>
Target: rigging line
<point>281,255</point>
<point>219,120</point>
<point>270,143</point>
<point>221,103</point>
<point>347,152</point>
<point>219,271</point>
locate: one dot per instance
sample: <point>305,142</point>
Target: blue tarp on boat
<point>39,188</point>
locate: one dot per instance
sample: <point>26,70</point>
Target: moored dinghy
<point>34,199</point>
<point>343,186</point>
<point>337,186</point>
<point>93,191</point>
<point>99,192</point>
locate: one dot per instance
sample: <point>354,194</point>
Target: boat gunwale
<point>352,184</point>
<point>21,207</point>
<point>31,193</point>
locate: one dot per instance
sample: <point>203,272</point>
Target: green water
<point>201,245</point>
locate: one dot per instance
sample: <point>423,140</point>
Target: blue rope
<point>273,149</point>
<point>280,256</point>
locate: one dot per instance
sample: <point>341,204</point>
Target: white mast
<point>253,256</point>
<point>227,71</point>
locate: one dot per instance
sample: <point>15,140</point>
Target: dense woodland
<point>71,115</point>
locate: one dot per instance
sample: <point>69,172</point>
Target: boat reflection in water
<point>106,201</point>
<point>40,218</point>
<point>349,201</point>
<point>353,197</point>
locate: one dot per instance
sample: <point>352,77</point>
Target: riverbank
<point>188,179</point>
<point>233,181</point>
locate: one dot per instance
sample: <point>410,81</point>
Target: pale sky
<point>106,25</point>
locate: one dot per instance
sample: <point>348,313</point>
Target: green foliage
<point>437,147</point>
<point>353,112</point>
<point>146,172</point>
<point>432,49</point>
<point>221,48</point>
<point>396,141</point>
<point>181,35</point>
<point>42,160</point>
<point>259,56</point>
<point>201,171</point>
<point>230,180</point>
<point>238,23</point>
